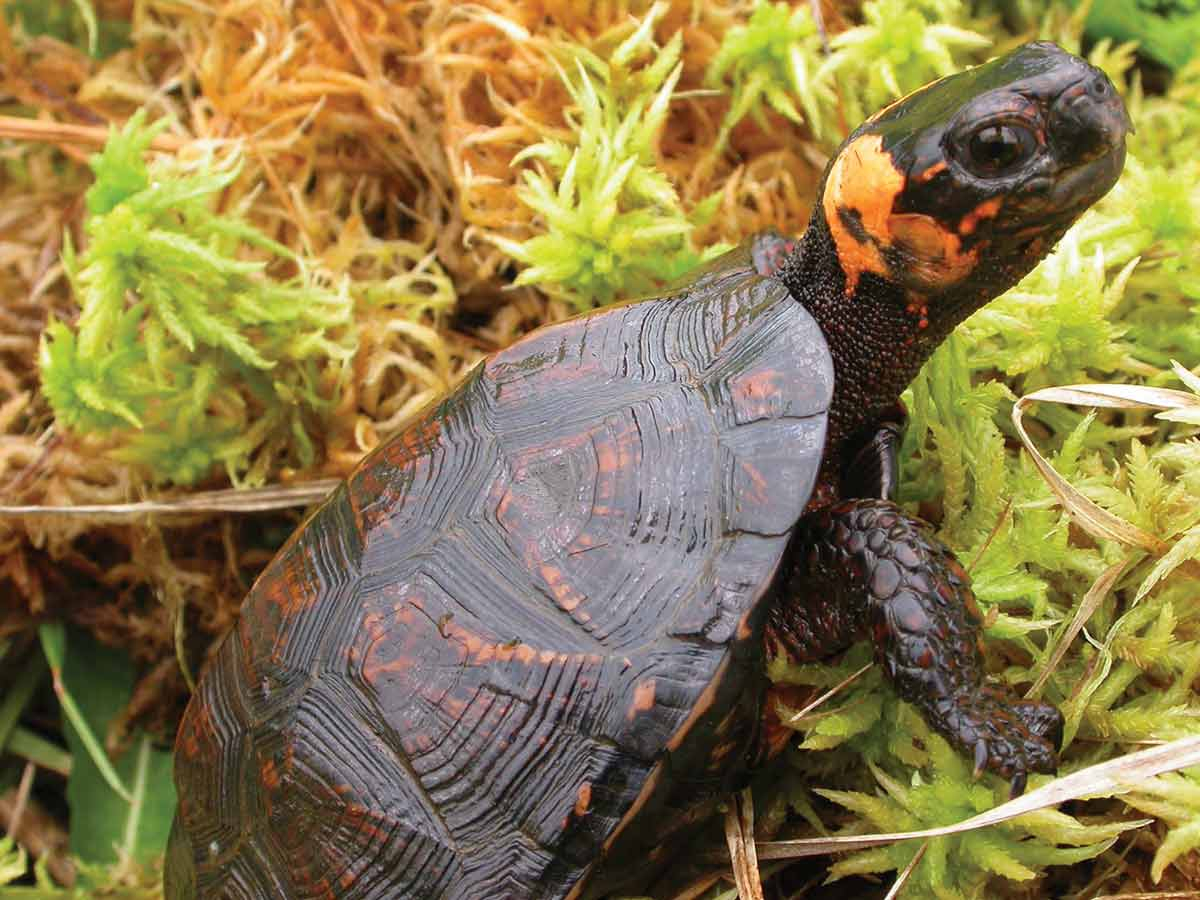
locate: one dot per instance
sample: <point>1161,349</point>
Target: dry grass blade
<point>1092,518</point>
<point>739,832</point>
<point>1117,396</point>
<point>698,888</point>
<point>18,128</point>
<point>1099,780</point>
<point>1097,592</point>
<point>237,501</point>
<point>794,720</point>
<point>906,873</point>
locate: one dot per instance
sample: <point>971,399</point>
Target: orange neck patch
<point>862,187</point>
<point>910,249</point>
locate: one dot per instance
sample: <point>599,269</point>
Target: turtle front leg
<point>864,566</point>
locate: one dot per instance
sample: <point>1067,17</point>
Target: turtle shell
<point>523,628</point>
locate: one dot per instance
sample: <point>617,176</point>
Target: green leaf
<point>104,825</point>
<point>13,860</point>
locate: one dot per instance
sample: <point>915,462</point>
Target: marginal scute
<point>295,602</point>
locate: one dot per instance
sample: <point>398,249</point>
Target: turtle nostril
<point>1089,119</point>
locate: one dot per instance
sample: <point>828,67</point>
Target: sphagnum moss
<point>187,355</point>
<point>614,223</point>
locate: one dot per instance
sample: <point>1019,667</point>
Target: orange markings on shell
<point>759,492</point>
<point>292,591</point>
<point>380,657</point>
<point>643,699</point>
<point>863,181</point>
<point>482,651</point>
<point>197,725</point>
<point>565,594</point>
<point>373,488</point>
<point>583,801</point>
<point>756,395</point>
<point>470,647</point>
<point>416,440</point>
<point>269,775</point>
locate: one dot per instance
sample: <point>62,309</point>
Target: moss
<point>768,61</point>
<point>185,354</point>
<point>615,227</point>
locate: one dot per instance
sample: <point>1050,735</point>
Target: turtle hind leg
<point>865,566</point>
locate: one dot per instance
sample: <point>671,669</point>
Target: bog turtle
<point>508,654</point>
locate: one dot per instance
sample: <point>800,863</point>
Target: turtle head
<point>942,201</point>
<point>955,192</point>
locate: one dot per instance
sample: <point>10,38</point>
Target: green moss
<point>73,23</point>
<point>901,45</point>
<point>1165,30</point>
<point>186,354</point>
<point>962,865</point>
<point>767,61</point>
<point>921,782</point>
<point>614,224</point>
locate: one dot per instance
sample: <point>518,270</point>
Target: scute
<point>481,652</point>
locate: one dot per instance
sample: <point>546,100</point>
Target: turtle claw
<point>1016,787</point>
<point>1004,735</point>
<point>981,758</point>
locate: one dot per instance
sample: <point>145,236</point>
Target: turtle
<point>513,651</point>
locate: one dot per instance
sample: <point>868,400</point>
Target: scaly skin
<point>865,567</point>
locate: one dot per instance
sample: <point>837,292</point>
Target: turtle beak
<point>1092,113</point>
<point>1090,123</point>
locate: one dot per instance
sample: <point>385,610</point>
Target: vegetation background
<point>241,241</point>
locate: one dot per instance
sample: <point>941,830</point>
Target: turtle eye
<point>995,149</point>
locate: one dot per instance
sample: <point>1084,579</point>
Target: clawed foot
<point>865,561</point>
<point>1009,737</point>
